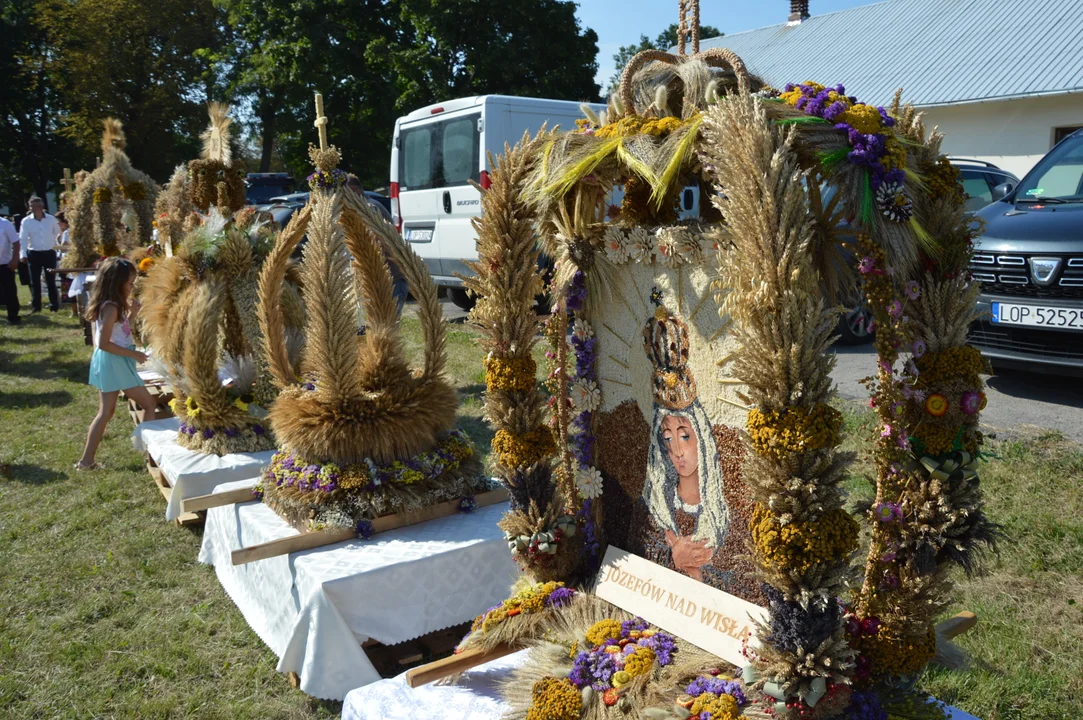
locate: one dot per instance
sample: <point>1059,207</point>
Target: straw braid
<point>201,355</point>
<point>271,322</point>
<point>331,349</point>
<point>418,279</point>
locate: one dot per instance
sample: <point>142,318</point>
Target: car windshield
<point>1058,177</point>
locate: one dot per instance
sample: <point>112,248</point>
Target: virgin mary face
<point>682,446</point>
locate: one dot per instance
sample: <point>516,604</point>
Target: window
<point>460,140</point>
<point>440,154</point>
<point>1063,132</point>
<point>976,187</point>
<point>1058,175</point>
<point>417,159</point>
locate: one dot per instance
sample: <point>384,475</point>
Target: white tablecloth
<point>476,696</point>
<point>315,608</point>
<point>191,473</point>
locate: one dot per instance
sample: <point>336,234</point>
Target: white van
<point>436,151</point>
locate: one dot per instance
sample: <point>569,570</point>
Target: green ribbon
<point>959,466</point>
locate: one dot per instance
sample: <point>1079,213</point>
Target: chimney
<point>798,12</point>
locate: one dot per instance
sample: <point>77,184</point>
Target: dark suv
<point>1029,262</point>
<point>980,178</point>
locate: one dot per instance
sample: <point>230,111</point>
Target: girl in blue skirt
<point>112,368</point>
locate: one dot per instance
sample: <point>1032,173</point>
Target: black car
<point>1029,262</point>
<point>980,178</point>
<point>261,187</point>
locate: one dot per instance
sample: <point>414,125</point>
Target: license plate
<point>1037,316</point>
<point>419,235</point>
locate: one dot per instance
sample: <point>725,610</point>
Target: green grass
<point>104,611</point>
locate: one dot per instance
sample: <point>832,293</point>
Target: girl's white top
<point>122,330</point>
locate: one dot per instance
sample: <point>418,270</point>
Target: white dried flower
<point>616,247</point>
<point>668,242</point>
<point>641,245</point>
<point>585,395</point>
<point>581,330</point>
<point>589,482</point>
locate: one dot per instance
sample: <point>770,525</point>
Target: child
<point>112,368</point>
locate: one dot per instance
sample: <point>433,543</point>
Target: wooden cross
<point>69,184</point>
<point>321,122</point>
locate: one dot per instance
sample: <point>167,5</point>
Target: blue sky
<point>621,22</point>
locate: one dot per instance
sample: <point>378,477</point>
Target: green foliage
<point>135,61</point>
<point>665,40</point>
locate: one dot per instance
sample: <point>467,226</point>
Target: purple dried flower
<point>560,597</point>
<point>365,530</point>
<point>468,504</point>
<point>208,433</point>
<point>258,429</point>
<point>232,432</point>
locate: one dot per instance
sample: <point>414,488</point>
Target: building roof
<point>941,52</point>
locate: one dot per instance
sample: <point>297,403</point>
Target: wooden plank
<point>319,538</point>
<point>291,544</point>
<point>461,662</point>
<point>444,509</point>
<point>206,502</point>
<point>188,519</point>
<point>957,625</point>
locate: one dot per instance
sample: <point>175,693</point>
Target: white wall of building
<point>1013,134</point>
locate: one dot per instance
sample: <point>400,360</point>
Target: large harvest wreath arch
<point>781,170</point>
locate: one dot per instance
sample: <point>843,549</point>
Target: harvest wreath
<point>667,483</point>
<point>365,442</point>
<point>199,312</point>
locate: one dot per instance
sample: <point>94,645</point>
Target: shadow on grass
<point>47,367</point>
<point>25,400</point>
<point>30,474</point>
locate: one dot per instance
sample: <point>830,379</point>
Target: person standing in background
<point>9,263</point>
<point>38,234</point>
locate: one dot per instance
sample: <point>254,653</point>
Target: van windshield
<point>440,154</point>
<point>1057,177</point>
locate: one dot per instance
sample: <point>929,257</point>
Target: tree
<point>665,40</point>
<point>31,152</point>
<point>445,49</point>
<point>139,62</point>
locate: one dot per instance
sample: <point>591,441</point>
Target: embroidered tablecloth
<point>192,474</point>
<point>315,608</point>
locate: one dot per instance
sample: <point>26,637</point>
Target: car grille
<point>1042,343</point>
<point>1011,275</point>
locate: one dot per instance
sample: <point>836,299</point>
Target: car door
<point>419,190</point>
<point>979,192</point>
<point>457,165</point>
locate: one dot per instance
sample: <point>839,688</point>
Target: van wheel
<point>461,298</point>
<point>853,328</point>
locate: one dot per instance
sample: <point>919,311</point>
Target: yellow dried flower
<point>957,363</point>
<point>603,630</point>
<point>895,158</point>
<point>555,699</point>
<point>523,450</point>
<point>794,95</point>
<point>103,195</point>
<point>662,126</point>
<point>797,546</point>
<point>795,429</point>
<point>721,707</point>
<point>639,662</point>
<point>134,191</point>
<point>863,118</point>
<point>893,654</point>
<point>511,374</point>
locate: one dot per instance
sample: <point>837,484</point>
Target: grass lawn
<point>104,611</point>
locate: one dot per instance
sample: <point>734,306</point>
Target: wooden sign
<point>708,618</point>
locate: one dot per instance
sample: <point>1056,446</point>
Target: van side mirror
<point>1002,190</point>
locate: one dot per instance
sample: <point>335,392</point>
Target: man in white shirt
<point>9,265</point>
<point>38,234</point>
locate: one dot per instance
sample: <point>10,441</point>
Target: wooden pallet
<point>161,392</point>
<point>185,519</point>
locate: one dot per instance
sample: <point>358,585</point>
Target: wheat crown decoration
<point>111,210</point>
<point>357,408</point>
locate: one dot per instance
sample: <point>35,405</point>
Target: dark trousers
<point>9,294</point>
<point>40,261</point>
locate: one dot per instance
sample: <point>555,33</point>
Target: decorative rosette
<point>616,246</point>
<point>894,202</point>
<point>543,542</point>
<point>585,395</point>
<point>588,481</point>
<point>641,245</point>
<point>581,330</point>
